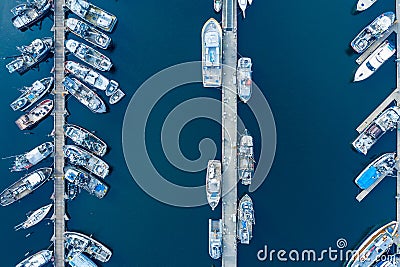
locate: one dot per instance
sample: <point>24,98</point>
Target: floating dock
<point>229,133</point>
<point>59,114</point>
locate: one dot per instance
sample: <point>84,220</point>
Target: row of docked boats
<point>25,15</point>
<point>369,35</point>
<point>375,249</point>
<point>212,66</point>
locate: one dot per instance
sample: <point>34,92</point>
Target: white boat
<point>215,238</point>
<point>36,217</point>
<point>375,60</point>
<point>116,96</point>
<point>213,183</point>
<point>217,5</point>
<point>211,39</point>
<point>243,6</point>
<point>364,4</point>
<point>36,260</point>
<point>250,2</point>
<point>244,80</point>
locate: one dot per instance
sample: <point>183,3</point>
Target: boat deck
<point>59,114</point>
<point>229,134</point>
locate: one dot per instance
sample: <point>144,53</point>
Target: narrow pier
<point>59,141</point>
<point>394,96</point>
<point>229,134</point>
<point>398,126</point>
<point>375,45</point>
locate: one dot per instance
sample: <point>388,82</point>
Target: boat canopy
<point>368,177</point>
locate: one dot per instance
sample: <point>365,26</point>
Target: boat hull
<point>211,39</point>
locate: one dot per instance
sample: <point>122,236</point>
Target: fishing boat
<point>84,95</point>
<point>88,55</point>
<point>92,14</point>
<point>211,39</point>
<point>364,4</point>
<point>372,32</point>
<point>381,166</point>
<point>24,186</point>
<point>246,158</point>
<point>86,139</point>
<point>87,75</point>
<point>116,96</point>
<point>244,81</point>
<point>245,220</point>
<point>213,183</point>
<point>86,181</point>
<point>29,159</point>
<point>243,6</point>
<point>31,55</point>
<point>215,238</point>
<point>88,33</point>
<point>37,260</point>
<point>28,16</point>
<point>386,121</point>
<point>78,243</point>
<point>32,94</point>
<point>112,88</point>
<point>375,60</point>
<point>217,5</point>
<point>35,115</point>
<point>80,157</point>
<point>374,246</point>
<point>36,217</point>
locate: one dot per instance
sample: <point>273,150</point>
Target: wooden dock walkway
<point>392,97</point>
<point>229,134</point>
<point>59,114</point>
<point>375,45</point>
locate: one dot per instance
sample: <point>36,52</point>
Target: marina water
<point>302,63</point>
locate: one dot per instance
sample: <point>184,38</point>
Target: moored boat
<point>36,217</point>
<point>244,81</point>
<point>85,95</point>
<point>88,33</point>
<point>245,220</point>
<point>86,139</point>
<point>372,32</point>
<point>77,243</point>
<point>32,94</point>
<point>374,61</point>
<point>386,121</point>
<point>213,183</point>
<point>80,157</point>
<point>243,6</point>
<point>35,115</point>
<point>215,238</point>
<point>246,158</point>
<point>364,4</point>
<point>80,260</point>
<point>24,186</point>
<point>92,14</point>
<point>87,75</point>
<point>29,16</point>
<point>381,166</point>
<point>374,246</point>
<point>86,181</point>
<point>27,160</point>
<point>88,55</point>
<point>217,5</point>
<point>211,39</point>
<point>112,88</point>
<point>37,260</point>
<point>116,96</point>
<point>32,54</point>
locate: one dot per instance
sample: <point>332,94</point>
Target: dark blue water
<point>301,63</point>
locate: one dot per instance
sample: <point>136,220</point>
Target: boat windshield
<point>370,67</point>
